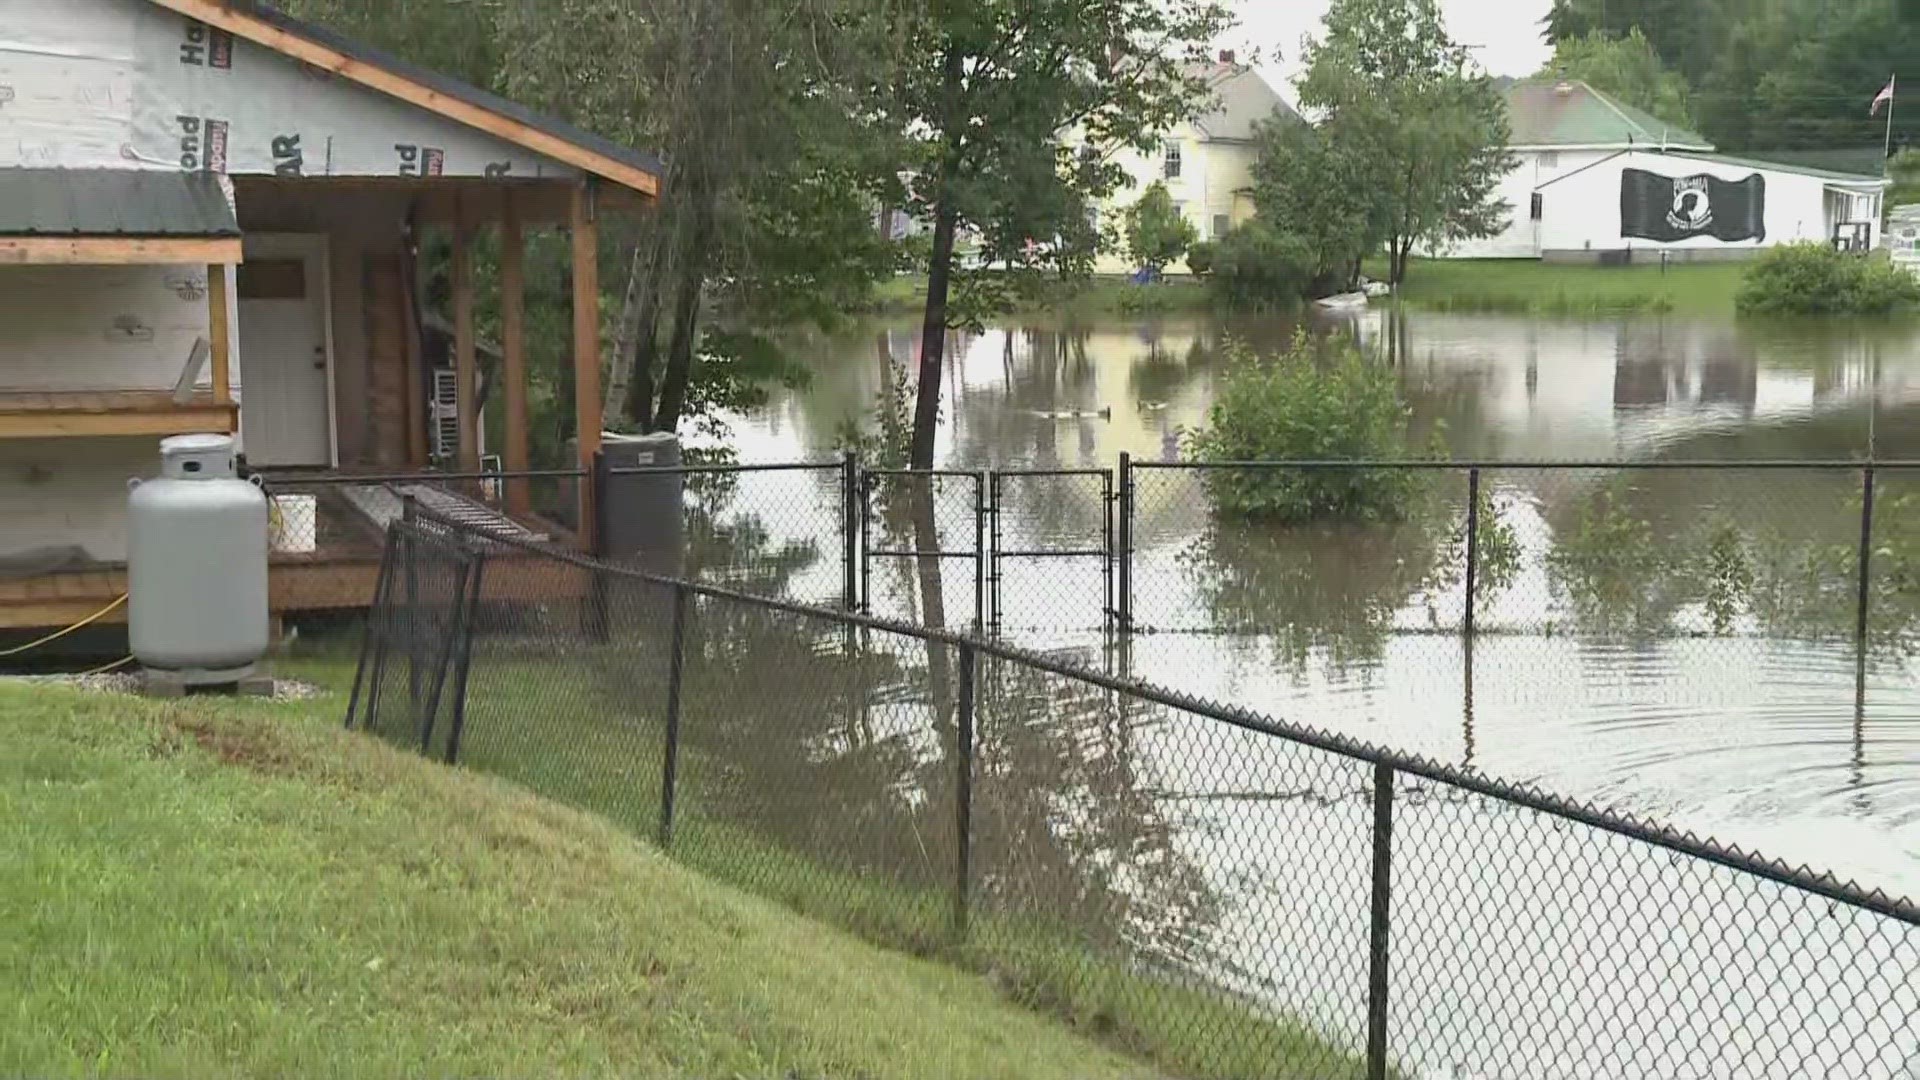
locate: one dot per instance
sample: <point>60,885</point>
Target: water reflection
<point>1677,643</point>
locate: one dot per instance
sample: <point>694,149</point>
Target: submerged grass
<point>221,888</point>
<point>1529,287</point>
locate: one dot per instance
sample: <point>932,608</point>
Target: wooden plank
<point>241,24</point>
<point>217,329</point>
<point>513,348</point>
<point>47,614</point>
<point>185,420</point>
<point>463,361</point>
<point>418,449</point>
<point>586,341</point>
<point>117,250</point>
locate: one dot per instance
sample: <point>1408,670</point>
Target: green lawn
<point>1529,287</point>
<point>218,888</point>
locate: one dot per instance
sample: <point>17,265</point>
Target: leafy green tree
<point>1321,186</point>
<point>1427,129</point>
<point>1157,232</point>
<point>986,90</point>
<point>1628,68</point>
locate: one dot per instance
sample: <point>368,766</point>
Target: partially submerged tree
<point>1415,118</point>
<point>1157,232</point>
<point>988,90</point>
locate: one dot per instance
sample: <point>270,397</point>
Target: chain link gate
<point>926,519</point>
<point>1066,516</point>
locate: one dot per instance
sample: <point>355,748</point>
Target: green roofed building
<point>1599,180</point>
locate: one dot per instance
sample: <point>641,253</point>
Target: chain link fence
<point>1219,893</point>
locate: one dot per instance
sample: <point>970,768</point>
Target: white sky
<point>1506,31</point>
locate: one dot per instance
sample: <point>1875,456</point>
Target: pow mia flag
<point>1667,208</point>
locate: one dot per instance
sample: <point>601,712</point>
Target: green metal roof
<point>1562,113</point>
<point>1775,165</point>
<point>113,202</point>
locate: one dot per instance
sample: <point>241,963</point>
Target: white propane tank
<point>197,565</point>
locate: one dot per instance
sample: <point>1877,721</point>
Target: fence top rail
<point>962,474</point>
<point>1023,474</point>
<point>736,467</point>
<point>1686,843</point>
<point>292,478</point>
<point>1490,466</point>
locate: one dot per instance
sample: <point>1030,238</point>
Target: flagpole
<point>1886,152</point>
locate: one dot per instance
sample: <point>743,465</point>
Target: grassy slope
<point>1528,287</point>
<point>216,888</point>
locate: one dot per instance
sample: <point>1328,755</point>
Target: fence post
<point>993,554</point>
<point>463,662</point>
<point>866,543</point>
<point>1377,936</point>
<point>1866,563</point>
<point>1473,544</point>
<point>981,508</point>
<point>963,794</point>
<point>676,667</point>
<point>409,539</point>
<point>1124,601</point>
<point>849,530</point>
<point>600,482</point>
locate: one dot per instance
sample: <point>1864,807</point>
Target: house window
<point>1222,225</point>
<point>1172,158</point>
<point>1539,206</point>
<point>1549,159</point>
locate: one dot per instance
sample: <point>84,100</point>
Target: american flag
<point>1885,98</point>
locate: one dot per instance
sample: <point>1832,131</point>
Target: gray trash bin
<point>642,523</point>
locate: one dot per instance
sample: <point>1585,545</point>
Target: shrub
<point>1256,264</point>
<point>1200,258</point>
<point>1815,279</point>
<point>1157,232</point>
<point>1321,402</point>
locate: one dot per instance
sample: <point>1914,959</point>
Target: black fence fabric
<point>1224,894</point>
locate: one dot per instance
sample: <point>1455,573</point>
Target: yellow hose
<point>104,668</point>
<point>58,634</point>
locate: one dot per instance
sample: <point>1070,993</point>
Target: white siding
<point>1522,236</point>
<point>99,327</point>
<point>129,84</point>
<point>70,492</point>
<point>1583,211</point>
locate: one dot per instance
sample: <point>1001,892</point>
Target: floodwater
<point>1675,644</point>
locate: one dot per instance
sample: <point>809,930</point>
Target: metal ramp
<point>382,504</point>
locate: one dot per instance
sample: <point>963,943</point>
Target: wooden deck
<point>309,585</point>
<point>83,413</point>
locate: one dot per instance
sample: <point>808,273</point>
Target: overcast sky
<point>1507,31</point>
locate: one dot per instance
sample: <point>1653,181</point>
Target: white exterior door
<point>286,355</point>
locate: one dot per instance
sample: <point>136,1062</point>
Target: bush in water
<point>1814,279</point>
<point>1256,264</point>
<point>1317,402</point>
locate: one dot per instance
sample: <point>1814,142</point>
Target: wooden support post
<point>219,332</point>
<point>586,340</point>
<point>463,361</point>
<point>513,348</point>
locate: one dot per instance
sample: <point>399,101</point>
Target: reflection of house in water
<point>1690,368</point>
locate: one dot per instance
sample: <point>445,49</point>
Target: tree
<point>1685,34</point>
<point>1422,126</point>
<point>1319,188</point>
<point>988,90</point>
<point>1157,232</point>
<point>1629,69</point>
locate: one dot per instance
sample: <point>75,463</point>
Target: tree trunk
<point>686,318</point>
<point>933,334</point>
<point>933,328</point>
